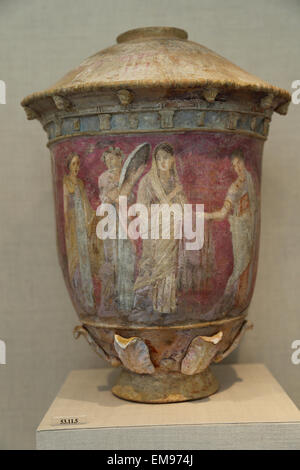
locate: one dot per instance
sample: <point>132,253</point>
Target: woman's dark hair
<point>163,146</point>
<point>69,158</point>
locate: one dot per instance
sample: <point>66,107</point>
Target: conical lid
<point>158,57</point>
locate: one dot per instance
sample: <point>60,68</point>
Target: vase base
<point>161,387</point>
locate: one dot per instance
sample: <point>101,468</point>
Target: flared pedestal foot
<point>164,387</point>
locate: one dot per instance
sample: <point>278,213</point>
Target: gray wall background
<point>39,42</point>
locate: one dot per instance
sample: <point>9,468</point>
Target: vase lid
<point>157,57</point>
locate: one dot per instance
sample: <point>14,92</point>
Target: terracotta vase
<point>157,121</point>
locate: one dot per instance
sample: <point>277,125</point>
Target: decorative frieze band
<point>104,122</point>
<point>256,124</point>
<point>166,118</point>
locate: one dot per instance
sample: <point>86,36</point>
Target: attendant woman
<point>240,208</point>
<point>79,225</point>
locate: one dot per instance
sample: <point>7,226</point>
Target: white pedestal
<point>250,411</point>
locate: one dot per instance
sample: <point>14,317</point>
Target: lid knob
<point>152,32</point>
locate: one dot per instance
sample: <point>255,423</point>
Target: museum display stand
<point>250,411</point>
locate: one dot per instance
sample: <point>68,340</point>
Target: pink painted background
<point>204,169</point>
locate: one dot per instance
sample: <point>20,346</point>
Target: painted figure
<point>108,183</point>
<point>241,209</point>
<point>197,267</point>
<point>117,273</point>
<point>156,283</point>
<point>79,228</point>
<point>131,172</point>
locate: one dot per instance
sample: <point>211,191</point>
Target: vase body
<point>163,307</point>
